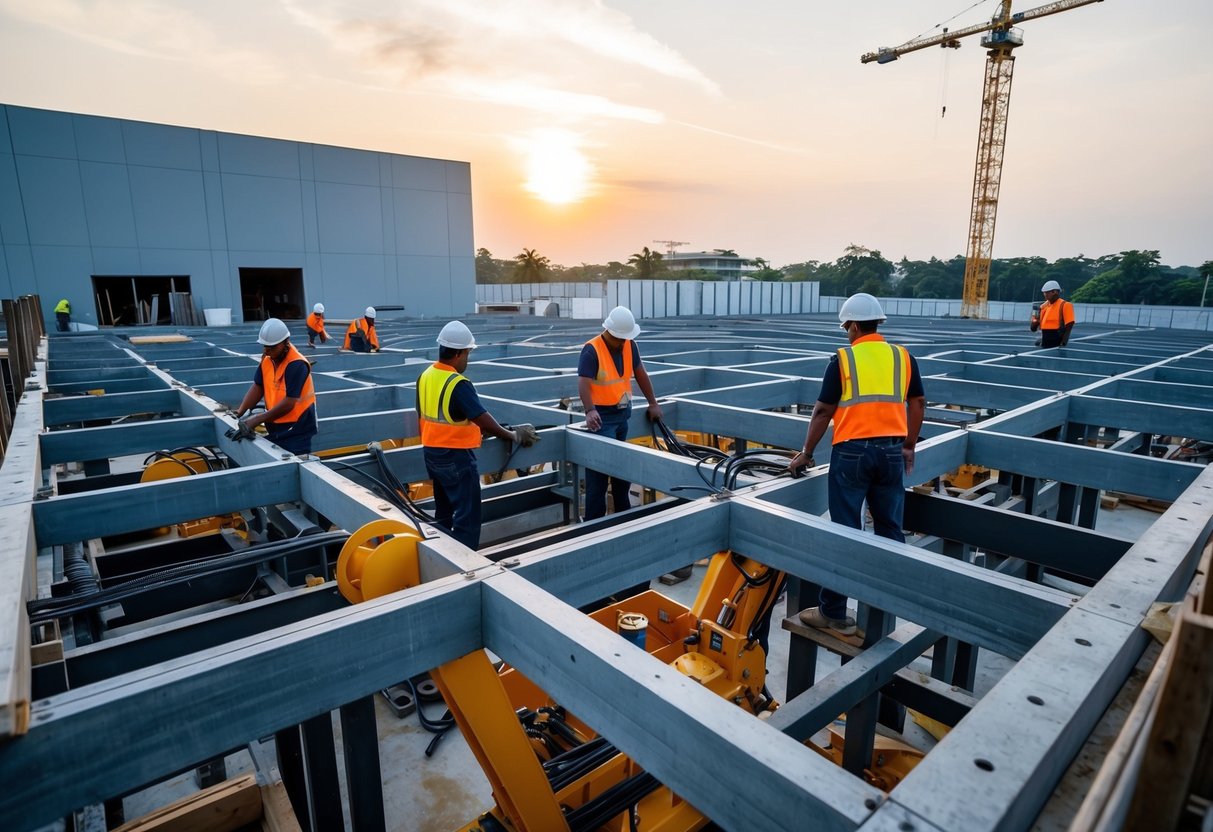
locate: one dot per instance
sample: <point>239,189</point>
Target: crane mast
<point>999,40</point>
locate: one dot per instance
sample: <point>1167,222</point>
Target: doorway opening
<point>132,300</point>
<point>271,293</point>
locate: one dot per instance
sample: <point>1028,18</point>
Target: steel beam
<point>662,719</point>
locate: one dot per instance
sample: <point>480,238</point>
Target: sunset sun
<point>557,171</point>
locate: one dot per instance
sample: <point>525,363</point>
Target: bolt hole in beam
<point>1036,700</point>
<point>983,764</point>
<point>1082,641</point>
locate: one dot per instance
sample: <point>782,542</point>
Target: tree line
<point>1128,277</point>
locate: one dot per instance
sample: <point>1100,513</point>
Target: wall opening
<point>131,300</point>
<point>271,293</point>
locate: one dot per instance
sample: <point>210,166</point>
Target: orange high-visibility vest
<point>273,377</point>
<point>1056,315</point>
<point>368,332</point>
<point>316,323</point>
<point>875,380</point>
<point>610,388</point>
<point>438,429</point>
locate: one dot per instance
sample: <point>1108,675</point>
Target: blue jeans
<point>614,426</point>
<point>456,492</point>
<point>871,469</point>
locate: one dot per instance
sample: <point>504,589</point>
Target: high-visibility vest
<point>316,323</point>
<point>611,388</point>
<point>273,379</point>
<point>63,306</point>
<point>438,429</point>
<point>875,380</point>
<point>368,332</point>
<point>1056,315</point>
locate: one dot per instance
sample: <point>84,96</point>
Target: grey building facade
<point>109,213</point>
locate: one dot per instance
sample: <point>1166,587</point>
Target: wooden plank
<point>1177,736</point>
<point>225,807</point>
<point>16,587</point>
<point>277,814</point>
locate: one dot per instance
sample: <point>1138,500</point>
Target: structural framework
<point>164,682</point>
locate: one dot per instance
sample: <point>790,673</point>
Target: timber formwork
<point>202,675</point>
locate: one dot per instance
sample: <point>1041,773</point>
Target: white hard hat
<point>1051,286</point>
<point>861,307</point>
<point>370,312</point>
<point>457,336</point>
<point>621,323</point>
<point>318,309</point>
<point>273,331</point>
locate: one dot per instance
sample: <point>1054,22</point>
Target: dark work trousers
<point>62,319</point>
<point>614,426</point>
<point>456,492</point>
<point>871,469</point>
<point>287,441</point>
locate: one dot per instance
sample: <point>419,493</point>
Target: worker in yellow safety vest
<point>63,315</point>
<point>284,380</point>
<point>452,422</point>
<point>605,370</point>
<point>873,392</point>
<point>315,326</point>
<point>361,336</point>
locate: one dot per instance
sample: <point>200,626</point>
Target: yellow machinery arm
<point>992,133</point>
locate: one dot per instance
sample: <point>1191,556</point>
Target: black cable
<point>45,609</point>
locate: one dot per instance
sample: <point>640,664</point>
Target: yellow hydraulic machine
<point>1000,38</point>
<point>548,769</point>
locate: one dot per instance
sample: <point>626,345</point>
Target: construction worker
<point>315,326</point>
<point>604,382</point>
<point>63,315</point>
<point>453,421</point>
<point>284,380</point>
<point>873,392</point>
<point>1055,318</point>
<point>361,336</point>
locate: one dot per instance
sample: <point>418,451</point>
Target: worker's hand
<point>799,463</point>
<point>241,432</point>
<point>527,435</point>
<point>654,412</point>
<point>593,421</point>
<point>907,456</point>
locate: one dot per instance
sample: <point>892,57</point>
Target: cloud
<point>148,30</point>
<point>543,55</point>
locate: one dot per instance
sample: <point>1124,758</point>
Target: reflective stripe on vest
<point>609,387</point>
<point>875,381</point>
<point>438,430</point>
<point>273,377</point>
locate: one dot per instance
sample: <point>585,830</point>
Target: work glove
<point>526,435</point>
<point>240,432</point>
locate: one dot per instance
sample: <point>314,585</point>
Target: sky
<point>597,127</point>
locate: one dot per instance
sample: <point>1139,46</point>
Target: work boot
<point>814,617</point>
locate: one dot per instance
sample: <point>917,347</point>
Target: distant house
<point>727,266</point>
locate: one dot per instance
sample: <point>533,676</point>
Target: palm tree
<point>530,267</point>
<point>647,263</point>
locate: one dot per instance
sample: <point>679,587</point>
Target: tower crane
<point>1000,38</point>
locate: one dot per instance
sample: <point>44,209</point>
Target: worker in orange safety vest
<point>284,380</point>
<point>315,326</point>
<point>873,392</point>
<point>361,335</point>
<point>1055,317</point>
